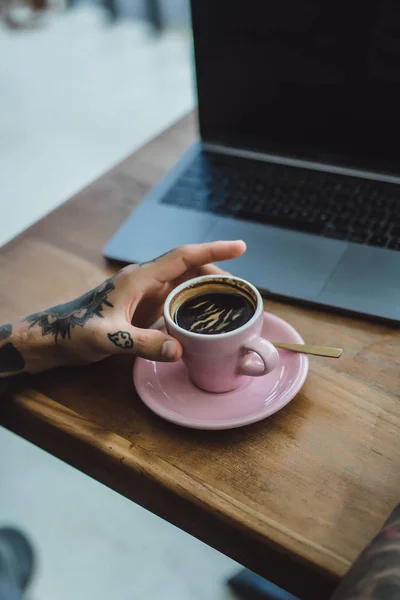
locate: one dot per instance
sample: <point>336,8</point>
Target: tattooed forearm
<point>11,360</point>
<point>5,331</point>
<point>59,320</point>
<point>122,339</point>
<point>376,573</point>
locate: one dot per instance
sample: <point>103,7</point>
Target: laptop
<point>299,152</point>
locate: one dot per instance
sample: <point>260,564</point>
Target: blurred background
<point>80,88</point>
<point>79,91</point>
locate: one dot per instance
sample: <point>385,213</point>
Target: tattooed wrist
<point>5,331</point>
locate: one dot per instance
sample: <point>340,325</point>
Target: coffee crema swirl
<point>211,313</point>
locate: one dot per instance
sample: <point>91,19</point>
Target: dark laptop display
<point>299,113</point>
<point>317,80</point>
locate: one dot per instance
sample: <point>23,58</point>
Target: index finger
<point>174,264</point>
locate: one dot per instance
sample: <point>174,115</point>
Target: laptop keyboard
<point>327,204</point>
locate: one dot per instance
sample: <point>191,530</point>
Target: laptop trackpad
<point>280,261</point>
<point>367,280</point>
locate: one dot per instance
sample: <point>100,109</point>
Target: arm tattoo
<point>5,331</point>
<point>11,360</point>
<point>60,319</point>
<point>122,339</point>
<point>376,573</point>
<point>148,262</point>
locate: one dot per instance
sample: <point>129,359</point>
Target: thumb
<point>146,343</point>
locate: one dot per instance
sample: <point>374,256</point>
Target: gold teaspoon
<point>308,349</point>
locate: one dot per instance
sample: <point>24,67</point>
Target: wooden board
<point>294,497</point>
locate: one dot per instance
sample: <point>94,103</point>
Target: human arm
<point>112,318</point>
<point>376,573</point>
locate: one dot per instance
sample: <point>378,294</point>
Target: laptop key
<point>379,240</point>
<point>396,231</point>
<point>394,244</point>
<point>376,227</point>
<point>341,198</point>
<point>340,222</point>
<point>357,229</point>
<point>321,219</point>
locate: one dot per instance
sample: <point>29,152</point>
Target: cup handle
<point>265,350</point>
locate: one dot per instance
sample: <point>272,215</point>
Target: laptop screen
<point>315,80</point>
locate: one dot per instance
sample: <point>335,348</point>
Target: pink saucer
<point>167,390</point>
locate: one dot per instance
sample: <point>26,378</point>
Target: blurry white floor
<point>75,97</point>
<point>94,544</point>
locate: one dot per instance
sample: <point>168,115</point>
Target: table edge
<point>34,407</point>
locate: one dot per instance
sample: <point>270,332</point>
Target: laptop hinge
<point>295,162</point>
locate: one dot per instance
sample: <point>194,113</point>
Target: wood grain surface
<point>294,497</point>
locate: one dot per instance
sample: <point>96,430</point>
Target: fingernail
<point>169,350</point>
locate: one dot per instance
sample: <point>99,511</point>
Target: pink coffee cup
<point>224,361</point>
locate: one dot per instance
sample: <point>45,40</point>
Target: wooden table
<point>294,497</point>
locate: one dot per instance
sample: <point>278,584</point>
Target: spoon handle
<point>308,349</point>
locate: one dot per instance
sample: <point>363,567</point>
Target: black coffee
<point>214,312</point>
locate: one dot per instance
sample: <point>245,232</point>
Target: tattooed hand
<point>112,318</point>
